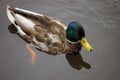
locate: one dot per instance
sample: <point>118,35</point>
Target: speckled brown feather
<point>44,26</point>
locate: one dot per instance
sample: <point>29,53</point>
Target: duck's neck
<point>72,47</point>
<point>71,42</point>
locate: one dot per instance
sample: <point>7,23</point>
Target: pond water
<point>101,20</point>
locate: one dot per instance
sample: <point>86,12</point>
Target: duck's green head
<point>76,33</point>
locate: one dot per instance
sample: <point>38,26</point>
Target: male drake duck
<point>47,34</point>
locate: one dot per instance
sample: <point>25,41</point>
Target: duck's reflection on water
<point>75,60</point>
<point>12,29</point>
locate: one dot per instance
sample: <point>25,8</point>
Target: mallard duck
<point>47,34</point>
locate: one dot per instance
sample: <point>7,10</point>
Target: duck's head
<point>76,33</point>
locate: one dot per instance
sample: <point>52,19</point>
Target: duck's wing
<point>47,34</point>
<point>27,18</point>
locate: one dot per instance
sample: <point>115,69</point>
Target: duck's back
<point>50,33</point>
<point>52,36</point>
<point>45,33</point>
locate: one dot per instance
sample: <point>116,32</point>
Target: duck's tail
<point>10,14</point>
<point>12,17</point>
<point>19,15</point>
<point>22,19</point>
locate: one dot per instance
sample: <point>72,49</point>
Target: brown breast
<point>73,48</point>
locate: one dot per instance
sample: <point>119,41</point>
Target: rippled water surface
<point>101,20</point>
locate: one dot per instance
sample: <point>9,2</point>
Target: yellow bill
<point>86,45</point>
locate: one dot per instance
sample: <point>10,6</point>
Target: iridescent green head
<point>76,33</point>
